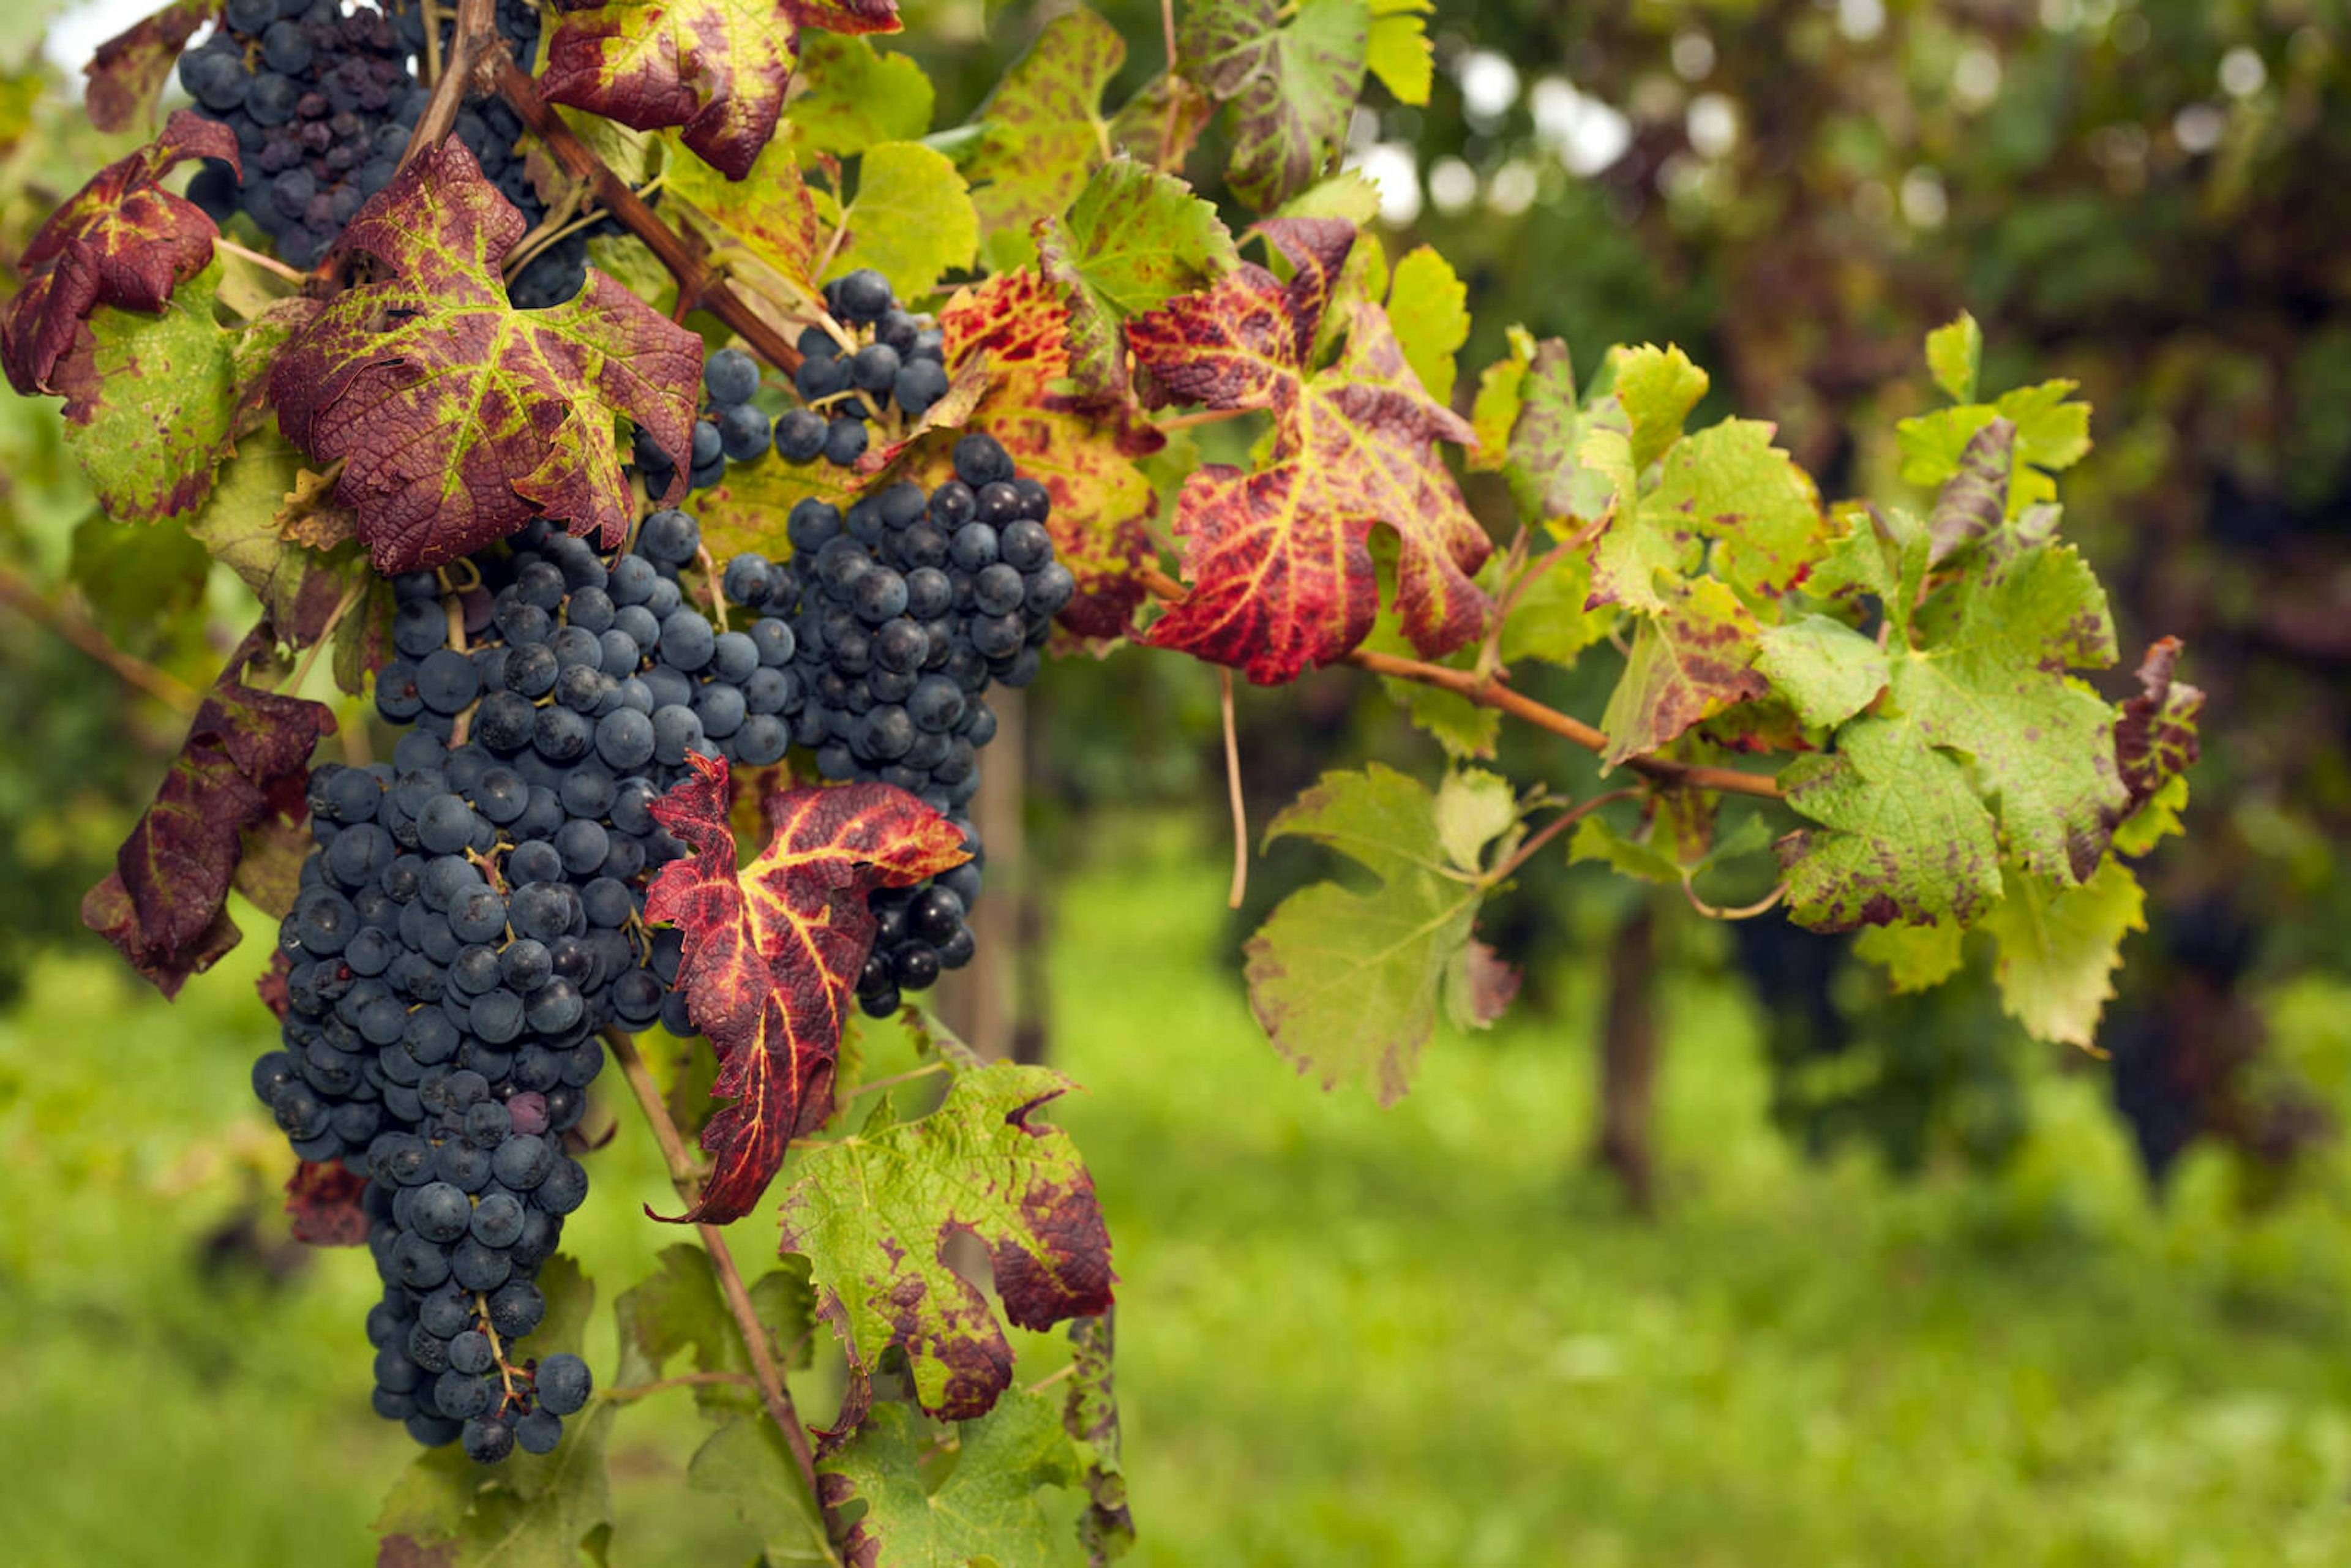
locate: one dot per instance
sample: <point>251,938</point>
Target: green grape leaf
<point>1689,662</point>
<point>529,1511</point>
<point>130,69</point>
<point>136,579</point>
<point>1955,355</point>
<point>1280,559</point>
<point>1729,485</point>
<point>458,418</point>
<point>1550,621</point>
<point>2157,819</point>
<point>745,1465</point>
<point>1656,388</point>
<point>911,219</point>
<point>1133,240</point>
<point>1907,837</point>
<point>1914,957</point>
<point>1539,434</point>
<point>768,219</point>
<point>1827,670</point>
<point>298,586</point>
<point>1163,120</point>
<point>1501,394</point>
<point>986,1510</point>
<point>1429,308</point>
<point>873,1213</point>
<point>1090,1415</point>
<point>1597,840</point>
<point>2051,434</point>
<point>1634,549</point>
<point>1045,133</point>
<point>856,97</point>
<point>679,1308</point>
<point>1289,85</point>
<point>2059,947</point>
<point>150,403</point>
<point>1348,983</point>
<point>1398,51</point>
<point>2156,741</point>
<point>716,68</point>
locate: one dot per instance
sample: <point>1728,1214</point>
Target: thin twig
<point>1233,789</point>
<point>334,618</point>
<point>1168,120</point>
<point>686,1176</point>
<point>476,33</point>
<point>878,1084</point>
<point>266,263</point>
<point>1493,694</point>
<point>163,686</point>
<point>695,285</point>
<point>1763,906</point>
<point>1556,826</point>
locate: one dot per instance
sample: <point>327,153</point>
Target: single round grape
<point>731,377</point>
<point>919,385</point>
<point>874,368</point>
<point>563,1383</point>
<point>800,434</point>
<point>1050,589</point>
<point>998,589</point>
<point>844,441</point>
<point>743,432</point>
<point>979,458</point>
<point>538,1432</point>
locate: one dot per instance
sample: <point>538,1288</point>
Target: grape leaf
<point>246,756</point>
<point>121,240</point>
<point>1289,85</point>
<point>772,953</point>
<point>298,587</point>
<point>746,1463</point>
<point>528,1510</point>
<point>1280,569</point>
<point>987,1510</point>
<point>1973,503</point>
<point>873,1213</point>
<point>1955,355</point>
<point>1082,449</point>
<point>679,1308</point>
<point>1908,839</point>
<point>855,96</point>
<point>2154,735</point>
<point>911,219</point>
<point>1347,984</point>
<point>130,69</point>
<point>457,417</point>
<point>1090,1415</point>
<point>136,581</point>
<point>1133,240</point>
<point>716,68</point>
<point>323,1202</point>
<point>150,403</point>
<point>1399,50</point>
<point>1500,396</point>
<point>1689,662</point>
<point>1045,133</point>
<point>1656,388</point>
<point>1825,669</point>
<point>1161,123</point>
<point>1429,308</point>
<point>772,216</point>
<point>2060,945</point>
<point>1728,483</point>
<point>1914,957</point>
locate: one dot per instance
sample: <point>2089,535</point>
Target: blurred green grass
<point>1347,1335</point>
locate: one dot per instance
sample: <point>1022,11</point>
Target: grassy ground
<point>1348,1335</point>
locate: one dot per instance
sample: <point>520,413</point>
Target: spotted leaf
<point>1289,77</point>
<point>1045,131</point>
<point>1279,558</point>
<point>773,951</point>
<point>458,418</point>
<point>132,68</point>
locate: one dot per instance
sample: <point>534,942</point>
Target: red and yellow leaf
<point>457,417</point>
<point>1280,557</point>
<point>132,68</point>
<point>773,952</point>
<point>716,68</point>
<point>246,758</point>
<point>121,240</point>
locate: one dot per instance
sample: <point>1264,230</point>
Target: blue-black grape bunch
<point>323,104</point>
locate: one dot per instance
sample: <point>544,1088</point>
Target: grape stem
<point>1489,691</point>
<point>1239,890</point>
<point>476,33</point>
<point>497,1349</point>
<point>686,1176</point>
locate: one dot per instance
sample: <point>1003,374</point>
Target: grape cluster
<point>320,102</point>
<point>890,358</point>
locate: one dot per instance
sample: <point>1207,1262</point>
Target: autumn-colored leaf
<point>1279,558</point>
<point>773,951</point>
<point>132,68</point>
<point>2155,734</point>
<point>873,1212</point>
<point>1289,74</point>
<point>150,403</point>
<point>246,755</point>
<point>121,240</point>
<point>1082,450</point>
<point>1688,663</point>
<point>716,68</point>
<point>458,417</point>
<point>323,1202</point>
<point>1045,133</point>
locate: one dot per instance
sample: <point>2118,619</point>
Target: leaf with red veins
<point>247,755</point>
<point>1082,449</point>
<point>773,952</point>
<point>458,418</point>
<point>121,240</point>
<point>716,68</point>
<point>1279,556</point>
<point>323,1202</point>
<point>132,68</point>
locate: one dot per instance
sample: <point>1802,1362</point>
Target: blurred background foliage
<point>1917,1289</point>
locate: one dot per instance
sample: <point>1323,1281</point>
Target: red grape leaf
<point>1082,449</point>
<point>457,417</point>
<point>121,240</point>
<point>873,1213</point>
<point>717,68</point>
<point>247,758</point>
<point>2155,738</point>
<point>132,68</point>
<point>773,952</point>
<point>1280,559</point>
<point>323,1201</point>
